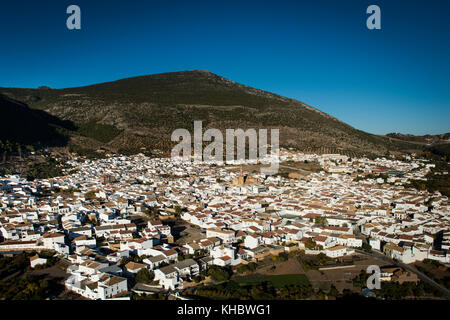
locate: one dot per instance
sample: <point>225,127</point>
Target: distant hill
<point>439,144</point>
<point>437,138</point>
<point>143,111</point>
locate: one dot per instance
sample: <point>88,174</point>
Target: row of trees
<point>314,262</point>
<point>48,169</point>
<point>249,267</point>
<point>219,274</point>
<point>254,291</point>
<point>282,256</point>
<point>7,148</point>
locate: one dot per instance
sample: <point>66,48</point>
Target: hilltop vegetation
<point>98,131</point>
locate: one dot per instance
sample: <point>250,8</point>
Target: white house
<point>375,244</point>
<point>349,240</point>
<point>49,239</point>
<point>221,251</point>
<point>293,234</point>
<point>252,241</point>
<point>155,261</point>
<point>99,286</point>
<point>36,261</point>
<point>223,261</point>
<point>91,267</point>
<point>227,236</point>
<point>133,268</point>
<point>337,251</point>
<point>168,277</point>
<point>187,267</point>
<point>84,241</point>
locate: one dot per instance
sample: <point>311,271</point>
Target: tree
<point>320,295</point>
<point>6,148</point>
<point>178,211</point>
<point>283,256</point>
<point>19,149</point>
<point>367,247</point>
<point>30,148</point>
<point>219,274</point>
<point>310,244</point>
<point>90,195</point>
<point>9,146</point>
<point>333,291</point>
<point>321,221</point>
<point>154,212</point>
<point>144,276</point>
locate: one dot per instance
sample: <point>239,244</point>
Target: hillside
<point>143,111</point>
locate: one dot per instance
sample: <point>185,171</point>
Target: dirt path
<point>53,272</point>
<point>292,266</point>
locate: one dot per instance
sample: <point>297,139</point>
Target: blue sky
<point>318,51</point>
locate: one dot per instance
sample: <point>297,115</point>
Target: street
<point>419,274</point>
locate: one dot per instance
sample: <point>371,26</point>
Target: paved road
<point>412,269</point>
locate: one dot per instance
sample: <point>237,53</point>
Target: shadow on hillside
<point>21,124</point>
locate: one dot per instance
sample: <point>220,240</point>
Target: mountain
<point>143,112</point>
